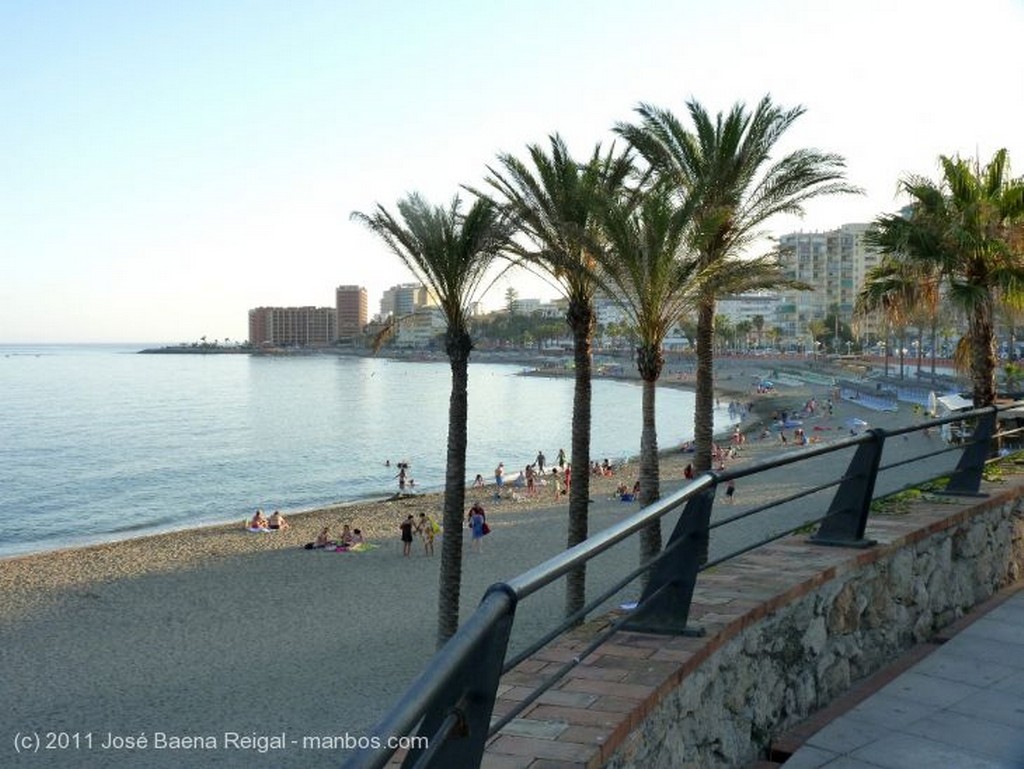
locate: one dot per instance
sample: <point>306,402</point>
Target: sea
<point>99,443</point>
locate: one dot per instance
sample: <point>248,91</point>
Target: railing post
<point>664,606</point>
<point>847,517</point>
<point>469,696</point>
<point>965,480</point>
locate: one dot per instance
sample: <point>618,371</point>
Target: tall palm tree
<point>726,164</point>
<point>642,267</point>
<point>967,228</point>
<point>556,200</point>
<point>450,253</point>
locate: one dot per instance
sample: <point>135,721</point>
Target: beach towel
<point>358,547</point>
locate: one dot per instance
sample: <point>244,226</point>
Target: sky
<point>165,167</point>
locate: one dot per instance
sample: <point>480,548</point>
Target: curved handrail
<point>456,666</point>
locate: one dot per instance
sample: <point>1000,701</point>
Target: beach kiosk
<point>953,432</point>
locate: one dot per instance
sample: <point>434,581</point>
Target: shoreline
<point>28,578</point>
<point>214,628</point>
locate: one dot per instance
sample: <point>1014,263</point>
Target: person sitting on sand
<point>258,522</point>
<point>479,482</point>
<point>357,537</point>
<point>323,539</point>
<point>346,536</point>
<point>276,522</point>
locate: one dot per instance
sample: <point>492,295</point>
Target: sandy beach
<point>225,640</point>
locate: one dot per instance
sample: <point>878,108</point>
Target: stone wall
<point>811,645</point>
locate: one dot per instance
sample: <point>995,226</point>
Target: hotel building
<point>292,326</point>
<point>352,309</point>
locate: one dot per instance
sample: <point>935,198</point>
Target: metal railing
<point>451,702</point>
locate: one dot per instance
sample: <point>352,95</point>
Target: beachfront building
<point>421,329</point>
<point>834,264</point>
<point>351,307</point>
<point>292,326</point>
<point>405,299</point>
<point>745,308</point>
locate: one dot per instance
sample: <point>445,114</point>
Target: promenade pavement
<point>955,702</point>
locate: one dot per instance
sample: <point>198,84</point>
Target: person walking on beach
<point>406,536</point>
<point>567,480</point>
<point>730,490</point>
<point>476,526</point>
<point>530,474</point>
<point>561,458</point>
<point>499,475</point>
<point>401,477</point>
<point>540,462</point>
<point>555,483</point>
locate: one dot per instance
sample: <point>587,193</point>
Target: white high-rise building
<point>834,264</point>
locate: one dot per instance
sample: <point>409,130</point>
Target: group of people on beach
<point>426,528</point>
<point>260,523</point>
<point>535,475</point>
<point>324,541</point>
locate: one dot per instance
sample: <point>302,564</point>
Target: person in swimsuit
<point>427,531</point>
<point>407,528</point>
<point>323,539</point>
<point>258,522</point>
<point>276,522</point>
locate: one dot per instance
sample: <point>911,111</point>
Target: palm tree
<point>967,229</point>
<point>743,329</point>
<point>557,203</point>
<point>450,253</point>
<point>758,322</point>
<point>725,164</point>
<point>641,268</point>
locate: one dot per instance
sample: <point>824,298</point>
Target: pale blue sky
<point>167,166</point>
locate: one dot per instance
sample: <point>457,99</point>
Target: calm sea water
<point>98,443</point>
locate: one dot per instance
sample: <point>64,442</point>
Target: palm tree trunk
<point>983,355</point>
<point>581,320</point>
<point>935,349</point>
<point>649,364</point>
<point>704,381</point>
<point>450,580</point>
<point>920,350</point>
